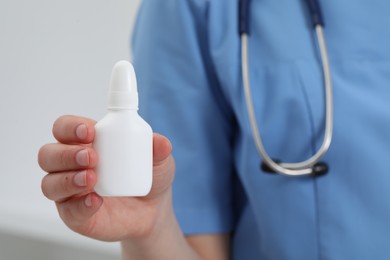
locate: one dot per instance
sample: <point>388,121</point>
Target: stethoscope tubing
<point>306,167</point>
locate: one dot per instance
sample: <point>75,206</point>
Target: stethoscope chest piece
<point>317,170</point>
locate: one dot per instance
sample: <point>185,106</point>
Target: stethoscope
<point>311,166</point>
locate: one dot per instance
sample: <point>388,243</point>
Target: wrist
<point>162,211</point>
<point>164,240</point>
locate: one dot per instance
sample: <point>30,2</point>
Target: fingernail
<point>88,201</point>
<point>80,179</point>
<point>82,158</point>
<point>82,131</point>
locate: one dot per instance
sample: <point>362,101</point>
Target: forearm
<point>166,241</point>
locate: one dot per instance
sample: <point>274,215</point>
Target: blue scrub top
<point>187,58</point>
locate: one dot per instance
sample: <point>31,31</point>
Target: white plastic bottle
<point>123,140</point>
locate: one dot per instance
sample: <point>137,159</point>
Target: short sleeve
<point>180,98</point>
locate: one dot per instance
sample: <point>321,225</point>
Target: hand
<point>71,179</point>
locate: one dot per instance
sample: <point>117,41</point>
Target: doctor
<point>188,58</point>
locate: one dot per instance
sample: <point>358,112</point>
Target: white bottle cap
<point>123,92</point>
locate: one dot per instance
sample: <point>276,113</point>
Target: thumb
<point>162,148</point>
<point>163,165</point>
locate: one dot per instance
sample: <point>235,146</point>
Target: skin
<point>146,226</point>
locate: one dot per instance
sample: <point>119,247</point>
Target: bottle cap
<point>123,93</point>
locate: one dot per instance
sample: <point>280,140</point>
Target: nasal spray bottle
<point>123,140</point>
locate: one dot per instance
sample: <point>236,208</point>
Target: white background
<point>55,58</point>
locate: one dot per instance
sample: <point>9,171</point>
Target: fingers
<point>73,129</point>
<point>62,186</point>
<point>71,180</point>
<point>59,157</point>
<point>78,212</point>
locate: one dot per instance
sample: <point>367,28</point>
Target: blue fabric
<point>187,58</point>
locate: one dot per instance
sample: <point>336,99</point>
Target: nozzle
<point>123,92</point>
